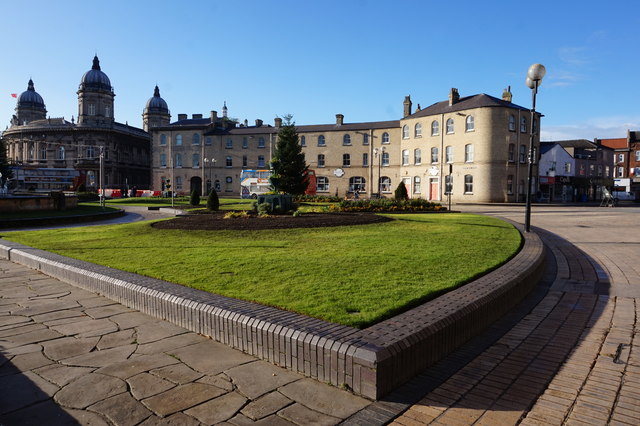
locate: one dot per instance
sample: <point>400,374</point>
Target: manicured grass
<point>354,275</point>
<point>179,202</point>
<point>82,209</point>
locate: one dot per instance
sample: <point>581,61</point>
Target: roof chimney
<point>506,95</point>
<point>182,117</point>
<point>214,116</point>
<point>258,122</point>
<point>454,96</point>
<point>339,119</point>
<point>196,116</point>
<point>407,106</point>
<point>277,121</point>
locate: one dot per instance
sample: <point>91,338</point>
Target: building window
<point>322,184</point>
<point>510,184</point>
<point>43,152</point>
<point>228,161</point>
<point>229,143</point>
<point>163,139</point>
<point>245,161</point>
<point>448,184</point>
<point>620,158</point>
<point>365,139</point>
<point>385,138</point>
<point>163,160</point>
<point>321,141</point>
<point>365,159</point>
<point>245,143</point>
<point>261,161</point>
<point>61,154</point>
<point>208,140</point>
<point>178,182</point>
<point>468,153</point>
<point>469,124</point>
<point>195,160</point>
<point>303,141</point>
<point>91,153</point>
<point>416,184</point>
<point>512,123</point>
<point>92,109</point>
<point>434,155</point>
<point>523,125</point>
<point>405,157</point>
<point>417,156</point>
<point>346,140</point>
<point>405,132</point>
<point>346,160</point>
<point>567,168</point>
<point>468,184</point>
<point>260,142</point>
<point>178,140</point>
<point>385,158</point>
<point>435,128</point>
<point>535,126</point>
<point>637,155</point>
<point>107,112</point>
<point>385,184</point>
<point>523,153</point>
<point>448,152</point>
<point>320,160</point>
<point>512,153</point>
<point>357,183</point>
<point>178,160</point>
<point>450,126</point>
<point>195,139</point>
<point>620,172</point>
<point>418,130</point>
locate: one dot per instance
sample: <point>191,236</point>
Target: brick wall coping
<point>371,362</point>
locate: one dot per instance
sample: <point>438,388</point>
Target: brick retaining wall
<point>371,362</point>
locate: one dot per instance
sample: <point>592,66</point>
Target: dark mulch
<point>216,221</point>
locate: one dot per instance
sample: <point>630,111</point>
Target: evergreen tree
<point>401,192</point>
<point>4,164</point>
<point>288,164</point>
<point>195,198</point>
<point>213,203</point>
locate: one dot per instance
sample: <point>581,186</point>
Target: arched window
<point>469,124</point>
<point>405,132</point>
<point>357,183</point>
<point>196,139</point>
<point>450,125</point>
<point>435,128</point>
<point>43,152</point>
<point>417,156</point>
<point>346,140</point>
<point>60,155</point>
<point>178,140</point>
<point>385,137</point>
<point>434,155</point>
<point>418,130</point>
<point>321,141</point>
<point>303,141</point>
<point>512,123</point>
<point>385,184</point>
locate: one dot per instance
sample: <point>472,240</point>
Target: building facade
<point>626,161</point>
<point>477,144</point>
<point>49,154</point>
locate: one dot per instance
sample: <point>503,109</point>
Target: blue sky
<point>314,59</point>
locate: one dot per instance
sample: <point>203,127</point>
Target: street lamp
<point>208,172</point>
<point>378,153</point>
<point>534,79</point>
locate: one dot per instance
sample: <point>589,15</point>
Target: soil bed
<point>216,221</point>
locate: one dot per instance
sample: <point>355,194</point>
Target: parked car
<point>623,196</point>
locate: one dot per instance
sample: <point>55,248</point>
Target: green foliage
<point>295,269</point>
<point>401,192</point>
<point>264,209</point>
<point>4,164</point>
<point>288,164</point>
<point>316,199</point>
<point>389,205</point>
<point>213,202</point>
<point>194,200</point>
<point>236,214</point>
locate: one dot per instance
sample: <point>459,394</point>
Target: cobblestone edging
<point>371,362</point>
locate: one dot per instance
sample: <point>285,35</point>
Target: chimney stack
<point>214,116</point>
<point>407,106</point>
<point>258,122</point>
<point>182,117</point>
<point>196,116</point>
<point>339,119</point>
<point>278,122</point>
<point>506,95</point>
<point>454,96</point>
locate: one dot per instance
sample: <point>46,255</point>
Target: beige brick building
<point>481,140</point>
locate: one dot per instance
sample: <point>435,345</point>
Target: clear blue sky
<point>314,59</point>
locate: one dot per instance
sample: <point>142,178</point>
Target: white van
<point>623,196</point>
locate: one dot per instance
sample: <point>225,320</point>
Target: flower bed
<point>389,205</point>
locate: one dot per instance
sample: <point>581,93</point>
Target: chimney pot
<point>407,106</point>
<point>506,95</point>
<point>454,96</point>
<point>278,122</point>
<point>339,119</point>
<point>196,116</point>
<point>214,116</point>
<point>258,122</point>
<point>182,117</point>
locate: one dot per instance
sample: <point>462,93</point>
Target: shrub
<point>194,200</point>
<point>401,192</point>
<point>264,209</point>
<point>213,203</point>
<point>316,199</point>
<point>236,214</point>
<point>388,205</point>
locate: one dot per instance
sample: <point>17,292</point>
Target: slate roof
<point>468,102</point>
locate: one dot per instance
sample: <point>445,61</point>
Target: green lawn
<point>354,275</point>
<point>180,202</point>
<point>82,209</point>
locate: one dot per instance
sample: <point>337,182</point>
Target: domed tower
<point>156,112</point>
<point>30,106</point>
<point>95,97</point>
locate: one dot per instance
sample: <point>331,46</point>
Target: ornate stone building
<point>55,154</point>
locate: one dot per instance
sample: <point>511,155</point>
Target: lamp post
<point>534,79</point>
<point>208,163</point>
<point>378,153</point>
